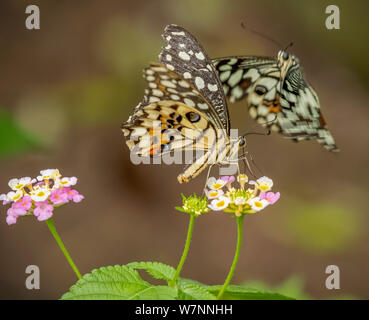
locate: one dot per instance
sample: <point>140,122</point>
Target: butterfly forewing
<point>184,55</point>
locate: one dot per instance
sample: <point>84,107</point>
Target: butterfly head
<point>241,141</point>
<point>286,59</point>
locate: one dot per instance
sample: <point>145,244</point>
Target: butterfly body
<point>277,94</point>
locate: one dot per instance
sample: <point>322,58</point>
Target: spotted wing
<point>287,105</point>
<point>184,55</point>
<point>164,84</point>
<point>161,127</point>
<point>300,117</point>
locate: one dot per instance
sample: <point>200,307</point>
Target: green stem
<point>185,250</point>
<point>235,259</point>
<point>52,229</point>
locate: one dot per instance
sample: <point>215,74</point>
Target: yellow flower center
<point>213,194</point>
<point>220,203</point>
<point>258,204</point>
<point>264,187</point>
<point>41,194</point>
<point>217,186</point>
<point>17,197</point>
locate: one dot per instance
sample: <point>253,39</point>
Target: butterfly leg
<point>207,178</point>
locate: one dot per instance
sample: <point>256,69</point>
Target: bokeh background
<point>65,90</point>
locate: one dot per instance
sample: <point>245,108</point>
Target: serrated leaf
<point>117,283</point>
<point>194,292</point>
<point>156,269</point>
<point>234,292</point>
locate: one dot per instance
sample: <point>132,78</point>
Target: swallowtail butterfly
<point>276,89</point>
<point>184,107</point>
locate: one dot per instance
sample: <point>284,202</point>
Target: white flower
<point>40,193</point>
<point>215,184</point>
<point>65,182</point>
<point>15,196</point>
<point>258,204</point>
<point>49,174</point>
<point>264,183</point>
<point>3,197</point>
<point>17,184</point>
<point>212,194</point>
<point>219,204</point>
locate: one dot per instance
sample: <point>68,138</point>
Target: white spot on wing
<point>184,84</point>
<point>224,75</point>
<point>212,87</point>
<point>199,56</point>
<point>199,82</point>
<point>174,97</point>
<point>157,93</point>
<point>203,106</point>
<point>183,55</point>
<point>235,78</point>
<point>154,99</point>
<point>189,102</point>
<point>187,75</point>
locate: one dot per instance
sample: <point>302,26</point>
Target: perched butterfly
<point>184,107</point>
<point>277,95</point>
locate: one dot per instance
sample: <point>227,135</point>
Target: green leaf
<point>12,138</point>
<point>194,292</point>
<point>117,283</point>
<point>156,269</point>
<point>234,292</point>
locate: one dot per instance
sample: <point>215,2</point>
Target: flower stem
<point>236,256</point>
<point>52,229</point>
<point>185,250</point>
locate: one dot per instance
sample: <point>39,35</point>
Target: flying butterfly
<point>277,95</point>
<point>184,108</point>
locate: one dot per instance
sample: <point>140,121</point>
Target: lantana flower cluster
<point>239,201</point>
<point>39,196</point>
<point>194,205</point>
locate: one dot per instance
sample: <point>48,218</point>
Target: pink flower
<point>78,198</point>
<point>73,194</point>
<point>228,179</point>
<point>43,210</point>
<point>10,219</point>
<point>271,197</point>
<point>59,196</point>
<point>21,207</point>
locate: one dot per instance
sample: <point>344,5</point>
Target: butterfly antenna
<point>267,130</point>
<point>262,35</point>
<point>289,46</point>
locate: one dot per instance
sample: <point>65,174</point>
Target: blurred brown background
<point>65,90</point>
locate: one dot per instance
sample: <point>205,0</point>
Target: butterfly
<point>277,95</point>
<point>184,108</point>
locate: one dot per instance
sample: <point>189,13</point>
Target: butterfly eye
<point>192,116</point>
<point>260,90</point>
<point>242,142</point>
<point>285,56</point>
